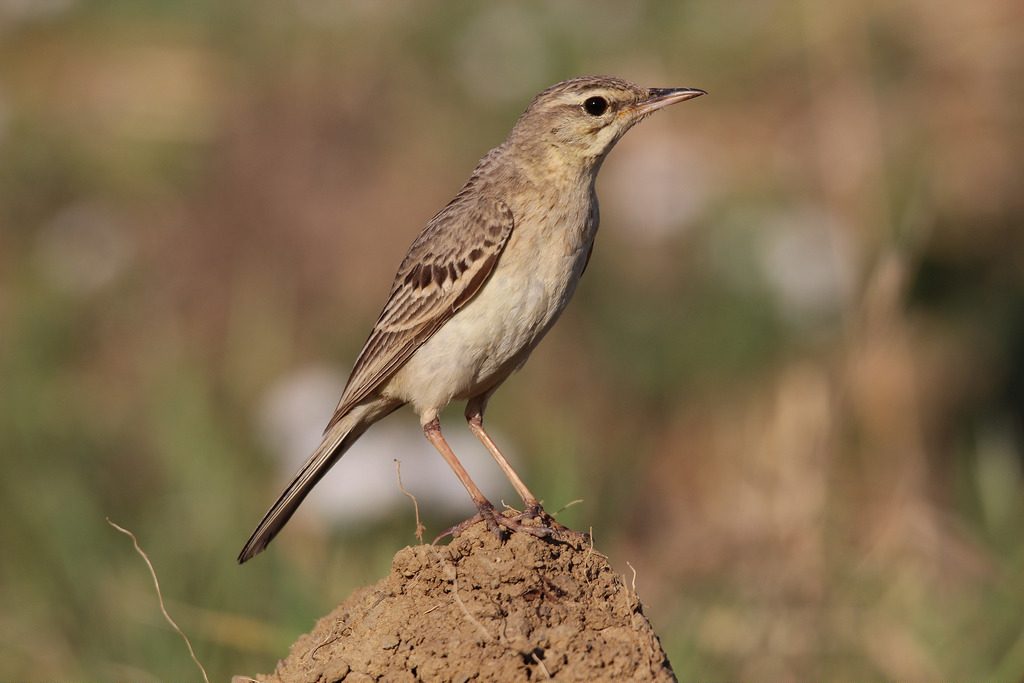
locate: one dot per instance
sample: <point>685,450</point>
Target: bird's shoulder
<point>463,239</point>
<point>445,268</point>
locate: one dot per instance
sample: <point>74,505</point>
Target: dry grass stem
<point>324,643</point>
<point>540,663</point>
<point>415,505</point>
<point>567,506</point>
<point>160,597</point>
<point>458,601</point>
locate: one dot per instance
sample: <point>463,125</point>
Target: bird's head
<point>584,117</point>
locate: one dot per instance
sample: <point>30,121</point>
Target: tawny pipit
<point>483,283</point>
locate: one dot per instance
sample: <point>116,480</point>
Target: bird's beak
<point>663,97</point>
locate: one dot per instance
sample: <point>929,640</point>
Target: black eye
<point>595,106</point>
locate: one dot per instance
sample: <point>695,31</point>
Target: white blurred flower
<point>83,249</point>
<point>654,185</point>
<point>362,486</point>
<point>809,262</point>
<point>33,9</point>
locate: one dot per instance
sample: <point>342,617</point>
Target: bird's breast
<point>534,281</point>
<point>494,333</point>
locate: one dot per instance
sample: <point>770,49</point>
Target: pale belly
<point>492,336</point>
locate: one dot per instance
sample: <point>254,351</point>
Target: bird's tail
<point>338,439</point>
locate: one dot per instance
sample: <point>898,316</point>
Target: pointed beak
<point>663,97</point>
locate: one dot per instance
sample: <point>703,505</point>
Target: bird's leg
<point>475,418</point>
<point>485,509</point>
<point>534,511</point>
<point>432,430</point>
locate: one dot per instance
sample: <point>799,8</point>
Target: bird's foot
<point>537,518</point>
<point>498,523</point>
<point>534,521</point>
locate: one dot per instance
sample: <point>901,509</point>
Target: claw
<point>543,525</point>
<point>551,527</point>
<point>486,513</point>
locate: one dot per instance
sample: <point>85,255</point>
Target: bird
<point>482,284</point>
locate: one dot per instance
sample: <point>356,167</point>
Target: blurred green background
<point>790,390</point>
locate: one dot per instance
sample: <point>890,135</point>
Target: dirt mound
<point>481,610</point>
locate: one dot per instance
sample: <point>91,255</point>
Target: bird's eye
<point>595,106</point>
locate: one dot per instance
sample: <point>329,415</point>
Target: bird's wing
<point>445,268</point>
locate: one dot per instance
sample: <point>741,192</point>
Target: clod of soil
<point>482,610</point>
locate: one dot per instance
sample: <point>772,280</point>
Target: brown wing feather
<point>445,268</point>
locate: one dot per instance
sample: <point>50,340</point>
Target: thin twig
<point>540,663</point>
<point>590,550</point>
<point>458,601</point>
<point>567,506</point>
<point>415,505</point>
<point>312,653</point>
<point>634,576</point>
<point>160,597</point>
<point>465,610</point>
<point>632,603</point>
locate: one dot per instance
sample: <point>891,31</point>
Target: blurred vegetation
<point>790,389</point>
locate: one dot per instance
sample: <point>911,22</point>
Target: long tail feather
<point>336,441</point>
